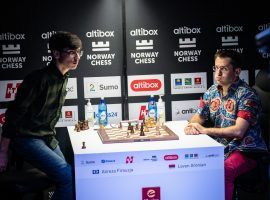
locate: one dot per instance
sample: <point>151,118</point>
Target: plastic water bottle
<point>89,114</point>
<point>161,110</point>
<point>102,112</point>
<point>152,108</point>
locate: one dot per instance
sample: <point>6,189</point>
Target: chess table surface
<point>122,135</point>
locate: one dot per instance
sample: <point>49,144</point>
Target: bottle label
<point>90,119</point>
<point>103,116</point>
<point>152,113</point>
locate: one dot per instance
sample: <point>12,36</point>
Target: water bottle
<point>161,111</point>
<point>89,114</point>
<point>152,108</point>
<point>102,112</point>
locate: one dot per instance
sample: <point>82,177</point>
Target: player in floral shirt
<point>234,109</point>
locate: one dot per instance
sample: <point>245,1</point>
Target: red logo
<point>2,118</point>
<point>151,193</point>
<point>68,114</point>
<point>143,112</point>
<point>171,157</point>
<point>198,80</point>
<point>129,159</point>
<point>11,90</point>
<point>145,85</point>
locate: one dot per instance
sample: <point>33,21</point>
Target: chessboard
<point>121,135</point>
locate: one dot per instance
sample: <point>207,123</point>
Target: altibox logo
<point>184,110</point>
<point>144,85</point>
<point>171,157</point>
<point>151,193</point>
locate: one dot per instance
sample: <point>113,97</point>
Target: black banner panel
<point>171,47</point>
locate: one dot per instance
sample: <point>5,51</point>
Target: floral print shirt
<point>240,101</point>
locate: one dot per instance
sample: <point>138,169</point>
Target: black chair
<point>22,181</point>
<point>255,184</point>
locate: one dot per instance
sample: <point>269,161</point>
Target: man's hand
<point>190,130</point>
<point>195,129</point>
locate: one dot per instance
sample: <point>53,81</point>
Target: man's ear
<point>237,71</point>
<point>56,54</point>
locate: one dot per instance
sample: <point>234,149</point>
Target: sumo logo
<point>145,85</point>
<point>151,193</point>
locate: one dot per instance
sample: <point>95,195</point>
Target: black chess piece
<point>128,134</point>
<point>83,145</point>
<point>142,131</point>
<point>129,126</point>
<point>143,121</point>
<point>132,130</point>
<point>137,126</point>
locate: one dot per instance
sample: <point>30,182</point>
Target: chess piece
<point>83,145</point>
<point>137,126</point>
<point>129,126</point>
<point>145,128</point>
<point>77,128</point>
<point>85,125</point>
<point>150,122</point>
<point>80,124</point>
<point>143,121</point>
<point>132,130</point>
<point>142,130</point>
<point>120,125</point>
